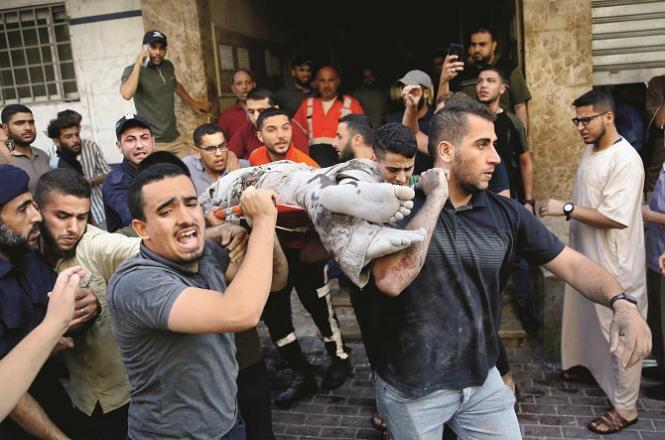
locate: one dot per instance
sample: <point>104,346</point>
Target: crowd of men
<point>115,283</point>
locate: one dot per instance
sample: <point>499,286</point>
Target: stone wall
<point>557,40</point>
<point>184,23</point>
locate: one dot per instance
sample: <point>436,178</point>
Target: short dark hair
<point>69,113</point>
<point>600,100</point>
<point>493,68</point>
<point>242,69</point>
<point>359,124</point>
<point>204,130</point>
<point>452,123</point>
<point>63,180</point>
<point>484,29</point>
<point>394,138</point>
<point>162,157</point>
<point>11,110</point>
<point>269,113</point>
<point>260,95</point>
<point>58,124</point>
<point>153,173</point>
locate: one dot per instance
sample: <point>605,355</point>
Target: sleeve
<point>522,143</point>
<point>101,167</point>
<point>115,197</point>
<point>110,250</point>
<point>301,115</point>
<point>144,298</point>
<point>519,92</point>
<point>126,73</point>
<point>623,190</point>
<point>655,95</point>
<point>223,123</point>
<point>356,108</point>
<point>237,144</point>
<point>534,241</point>
<point>499,181</point>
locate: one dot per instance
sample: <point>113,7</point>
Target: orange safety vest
<point>345,110</point>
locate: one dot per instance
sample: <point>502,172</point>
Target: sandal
<point>612,420</point>
<point>378,423</point>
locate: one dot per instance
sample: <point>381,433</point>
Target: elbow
<point>388,287</point>
<point>279,282</point>
<point>249,319</point>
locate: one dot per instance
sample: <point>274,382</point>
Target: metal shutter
<point>628,40</point>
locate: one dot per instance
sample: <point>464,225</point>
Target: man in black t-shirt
<point>435,305</point>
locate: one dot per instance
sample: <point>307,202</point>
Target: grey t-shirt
<point>183,386</point>
<point>155,98</point>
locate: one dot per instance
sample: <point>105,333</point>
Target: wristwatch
<point>568,209</point>
<point>625,296</point>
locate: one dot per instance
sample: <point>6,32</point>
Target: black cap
<point>13,183</point>
<point>128,121</point>
<point>301,61</point>
<point>154,36</point>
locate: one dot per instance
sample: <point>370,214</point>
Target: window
<point>36,63</point>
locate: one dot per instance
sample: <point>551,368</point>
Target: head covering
<point>154,36</point>
<point>130,120</point>
<point>416,77</point>
<point>13,183</point>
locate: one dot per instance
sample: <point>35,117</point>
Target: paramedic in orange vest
<point>320,115</point>
<point>274,130</point>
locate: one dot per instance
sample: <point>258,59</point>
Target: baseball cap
<point>416,77</point>
<point>154,36</point>
<point>128,121</point>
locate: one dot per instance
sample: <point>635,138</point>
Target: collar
<point>478,200</point>
<point>127,168</point>
<point>5,267</point>
<point>150,255</point>
<point>19,154</point>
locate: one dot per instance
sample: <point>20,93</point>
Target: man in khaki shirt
<point>99,387</point>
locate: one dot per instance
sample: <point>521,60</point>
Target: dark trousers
<point>254,401</point>
<point>308,280</point>
<point>361,307</point>
<point>109,426</point>
<point>655,312</point>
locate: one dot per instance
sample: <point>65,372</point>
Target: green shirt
<point>155,98</point>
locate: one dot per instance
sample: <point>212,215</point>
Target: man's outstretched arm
<point>394,273</point>
<point>630,337</point>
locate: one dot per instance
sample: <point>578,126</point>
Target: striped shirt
<point>94,165</point>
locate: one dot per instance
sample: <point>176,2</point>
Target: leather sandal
<point>378,423</point>
<point>612,420</point>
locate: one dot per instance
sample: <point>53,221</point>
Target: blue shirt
<point>23,298</point>
<point>114,194</point>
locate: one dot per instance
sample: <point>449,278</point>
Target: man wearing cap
<point>151,81</point>
<point>44,411</point>
<point>418,99</point>
<point>135,142</point>
<point>292,94</point>
<point>319,115</point>
<point>18,125</point>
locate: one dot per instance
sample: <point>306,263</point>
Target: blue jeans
<point>474,413</point>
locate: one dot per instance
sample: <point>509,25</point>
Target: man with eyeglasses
<point>211,159</point>
<point>607,227</point>
<point>135,141</point>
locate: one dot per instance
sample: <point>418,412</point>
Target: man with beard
<point>482,53</point>
<point>44,411</point>
<point>319,115</point>
<point>245,140</point>
<point>19,127</point>
<point>354,138</point>
<point>98,385</point>
<point>607,227</point>
<point>372,97</point>
<point>135,142</point>
<point>173,313</point>
<point>151,81</point>
<point>418,90</point>
<point>435,307</point>
<point>292,94</point>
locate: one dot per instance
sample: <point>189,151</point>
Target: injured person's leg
<point>388,241</point>
<point>375,202</point>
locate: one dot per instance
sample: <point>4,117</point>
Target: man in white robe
<point>605,225</point>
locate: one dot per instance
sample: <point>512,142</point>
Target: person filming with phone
<point>152,82</point>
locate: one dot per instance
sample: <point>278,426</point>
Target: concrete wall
<point>101,50</point>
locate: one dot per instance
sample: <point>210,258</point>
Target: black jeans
<point>254,401</point>
<point>109,426</point>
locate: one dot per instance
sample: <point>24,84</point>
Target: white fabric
<point>610,181</point>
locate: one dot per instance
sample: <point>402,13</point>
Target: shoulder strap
<point>346,108</point>
<point>310,112</point>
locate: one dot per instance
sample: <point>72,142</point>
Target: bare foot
<point>375,202</point>
<point>389,240</point>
